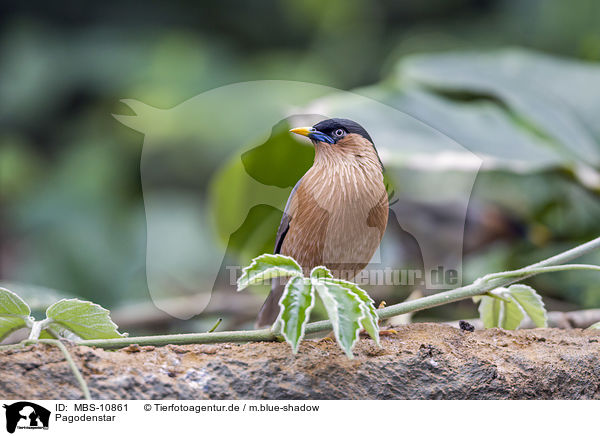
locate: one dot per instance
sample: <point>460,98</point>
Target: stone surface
<point>421,361</point>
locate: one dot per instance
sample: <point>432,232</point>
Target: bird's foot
<point>388,332</point>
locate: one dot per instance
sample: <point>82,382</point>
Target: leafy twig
<point>479,287</point>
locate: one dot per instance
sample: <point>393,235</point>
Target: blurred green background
<point>516,81</point>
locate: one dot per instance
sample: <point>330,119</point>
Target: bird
<point>337,212</point>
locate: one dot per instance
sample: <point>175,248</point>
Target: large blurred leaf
<point>555,99</point>
<point>560,96</point>
<point>484,128</point>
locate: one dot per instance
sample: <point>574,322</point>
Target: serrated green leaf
<point>371,321</point>
<point>268,266</point>
<point>85,319</point>
<point>320,272</point>
<point>345,310</point>
<point>296,303</point>
<point>13,312</point>
<point>531,303</point>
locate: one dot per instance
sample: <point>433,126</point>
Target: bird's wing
<point>270,309</point>
<point>284,225</point>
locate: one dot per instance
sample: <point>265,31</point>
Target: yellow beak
<point>304,131</point>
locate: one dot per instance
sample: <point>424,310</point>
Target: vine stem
<point>37,327</point>
<point>479,287</point>
<point>74,369</point>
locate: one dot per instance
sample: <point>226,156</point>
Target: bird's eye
<point>339,133</point>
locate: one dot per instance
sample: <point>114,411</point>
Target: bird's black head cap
<point>330,126</point>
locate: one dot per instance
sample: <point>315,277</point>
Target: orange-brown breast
<point>340,209</point>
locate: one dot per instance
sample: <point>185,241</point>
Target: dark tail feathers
<point>270,309</point>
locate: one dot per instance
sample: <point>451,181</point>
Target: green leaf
<point>85,319</point>
<point>56,331</point>
<point>12,304</point>
<point>512,315</point>
<point>481,127</point>
<point>320,272</point>
<point>506,308</point>
<point>371,321</point>
<point>45,334</point>
<point>594,326</point>
<point>345,310</point>
<point>14,312</point>
<point>561,105</point>
<point>296,303</point>
<point>500,310</point>
<point>268,266</point>
<point>531,302</point>
<point>489,311</point>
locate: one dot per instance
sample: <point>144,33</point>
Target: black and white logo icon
<point>26,415</point>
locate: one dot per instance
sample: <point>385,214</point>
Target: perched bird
<point>337,212</point>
